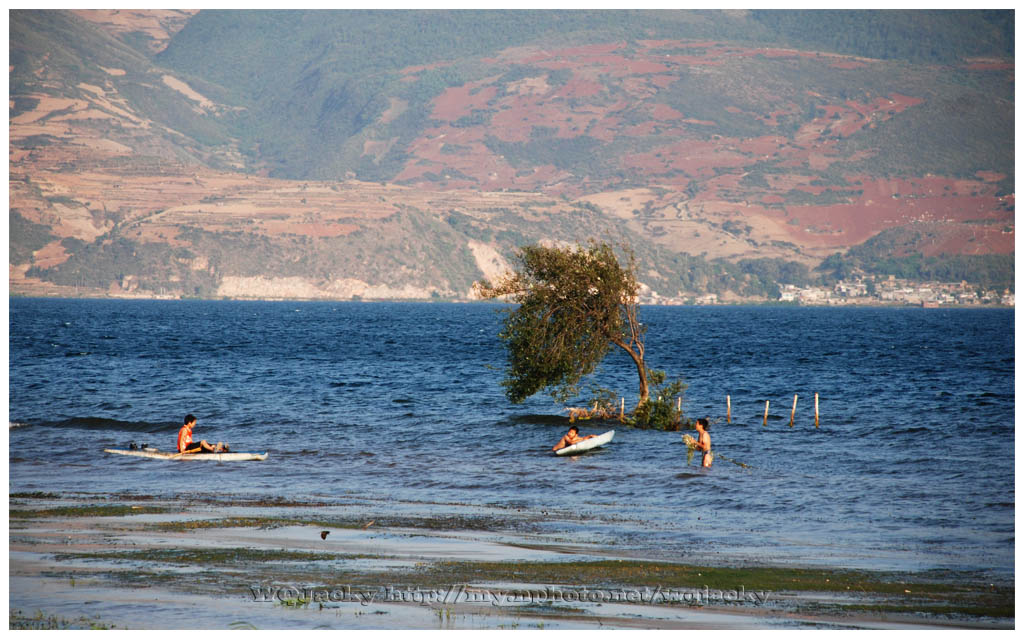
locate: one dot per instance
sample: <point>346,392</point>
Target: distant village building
<point>813,295</point>
<point>851,289</point>
<point>855,292</point>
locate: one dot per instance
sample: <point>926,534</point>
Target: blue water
<point>399,407</point>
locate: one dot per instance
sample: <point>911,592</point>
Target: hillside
<point>406,154</point>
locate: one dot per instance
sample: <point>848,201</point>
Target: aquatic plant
<point>660,412</point>
<point>17,620</point>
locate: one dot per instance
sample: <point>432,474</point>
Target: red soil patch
<point>839,225</point>
<point>990,176</point>
<point>665,112</point>
<point>642,67</point>
<point>520,114</point>
<point>695,158</point>
<point>587,50</point>
<point>888,203</point>
<point>412,70</point>
<point>764,145</point>
<point>606,129</point>
<point>638,130</point>
<point>847,64</point>
<point>50,255</point>
<point>989,65</point>
<point>579,87</point>
<point>160,25</point>
<point>903,101</point>
<point>772,119</point>
<point>416,170</point>
<point>283,227</point>
<point>659,44</point>
<point>457,102</point>
<point>772,53</point>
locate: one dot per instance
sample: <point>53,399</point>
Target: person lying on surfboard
<point>570,438</point>
<point>186,445</point>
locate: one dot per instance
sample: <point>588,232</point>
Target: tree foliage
<point>573,305</point>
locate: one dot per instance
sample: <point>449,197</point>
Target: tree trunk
<point>641,370</point>
<point>635,348</point>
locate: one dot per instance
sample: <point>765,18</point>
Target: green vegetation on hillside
<point>312,100</point>
<point>25,238</point>
<point>56,53</point>
<point>886,254</point>
<point>578,153</point>
<point>73,51</point>
<point>931,36</point>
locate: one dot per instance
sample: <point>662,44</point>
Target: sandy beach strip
<point>142,562</point>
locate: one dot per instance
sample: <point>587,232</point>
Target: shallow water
<point>400,405</point>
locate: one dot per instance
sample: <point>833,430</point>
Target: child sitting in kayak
<point>570,438</point>
<point>186,445</point>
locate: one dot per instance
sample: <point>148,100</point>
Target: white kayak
<point>153,453</point>
<point>587,444</point>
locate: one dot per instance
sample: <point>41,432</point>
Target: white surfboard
<point>153,453</point>
<point>583,446</point>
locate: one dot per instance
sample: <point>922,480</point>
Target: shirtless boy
<point>186,445</point>
<point>570,438</point>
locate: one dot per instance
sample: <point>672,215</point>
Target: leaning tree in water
<point>572,306</point>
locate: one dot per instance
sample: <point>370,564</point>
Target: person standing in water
<point>704,442</point>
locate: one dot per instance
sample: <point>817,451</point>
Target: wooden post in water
<point>622,410</point>
<point>792,414</point>
<point>815,410</point>
<point>766,402</point>
<point>728,409</point>
<point>679,404</point>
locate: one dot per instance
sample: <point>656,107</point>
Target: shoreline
<point>96,560</point>
<point>409,300</point>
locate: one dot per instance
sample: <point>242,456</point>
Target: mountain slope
<point>405,154</point>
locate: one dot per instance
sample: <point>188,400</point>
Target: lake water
<point>398,407</point>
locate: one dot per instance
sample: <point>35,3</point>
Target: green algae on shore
<point>105,510</point>
<point>18,620</point>
<point>211,556</point>
<point>900,593</point>
<point>454,523</point>
<point>903,592</point>
<point>626,572</point>
<point>937,597</point>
